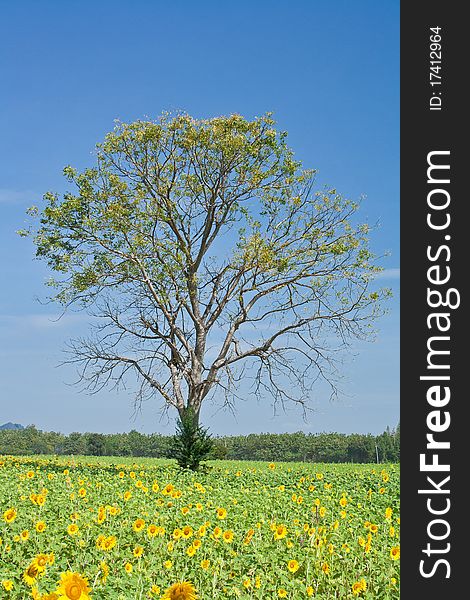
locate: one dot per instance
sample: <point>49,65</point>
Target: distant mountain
<point>11,426</point>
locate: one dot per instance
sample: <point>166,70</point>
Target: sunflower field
<point>84,529</point>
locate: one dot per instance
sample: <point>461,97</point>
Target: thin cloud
<point>389,274</point>
<point>8,196</point>
<point>39,321</point>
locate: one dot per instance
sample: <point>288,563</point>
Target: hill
<point>11,425</point>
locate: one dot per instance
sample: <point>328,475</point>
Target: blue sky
<point>329,70</point>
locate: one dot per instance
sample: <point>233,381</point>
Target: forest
<point>300,446</point>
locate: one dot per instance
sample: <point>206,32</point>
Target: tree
<point>206,257</point>
<point>191,444</point>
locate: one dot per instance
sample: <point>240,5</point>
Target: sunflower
<point>31,574</point>
<point>282,593</point>
<point>7,584</point>
<point>249,536</point>
<point>9,515</point>
<point>395,553</point>
<point>293,566</point>
<point>138,525</point>
<point>101,515</point>
<point>72,529</point>
<point>72,586</point>
<point>109,543</point>
<point>358,587</point>
<point>41,561</point>
<point>180,591</point>
<point>138,551</point>
<point>280,532</point>
<point>221,513</point>
<point>104,569</point>
<point>152,530</point>
<point>40,526</point>
<point>228,536</point>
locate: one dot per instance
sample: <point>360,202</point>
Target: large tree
<point>206,256</point>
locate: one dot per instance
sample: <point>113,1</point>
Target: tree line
<point>310,447</point>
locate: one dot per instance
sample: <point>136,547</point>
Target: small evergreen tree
<point>191,444</point>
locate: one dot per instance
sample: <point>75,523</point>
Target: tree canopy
<point>207,257</point>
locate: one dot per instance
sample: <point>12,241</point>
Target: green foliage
<point>189,234</point>
<point>191,444</point>
<point>282,447</point>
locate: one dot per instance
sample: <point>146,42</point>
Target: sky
<point>327,69</point>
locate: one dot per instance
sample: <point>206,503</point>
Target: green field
<point>84,528</point>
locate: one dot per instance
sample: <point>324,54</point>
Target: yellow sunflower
<point>138,525</point>
<point>358,587</point>
<point>180,591</point>
<point>31,574</point>
<point>9,515</point>
<point>228,536</point>
<point>187,531</point>
<point>152,530</point>
<point>293,566</point>
<point>40,526</point>
<point>280,532</point>
<point>72,586</point>
<point>41,561</point>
